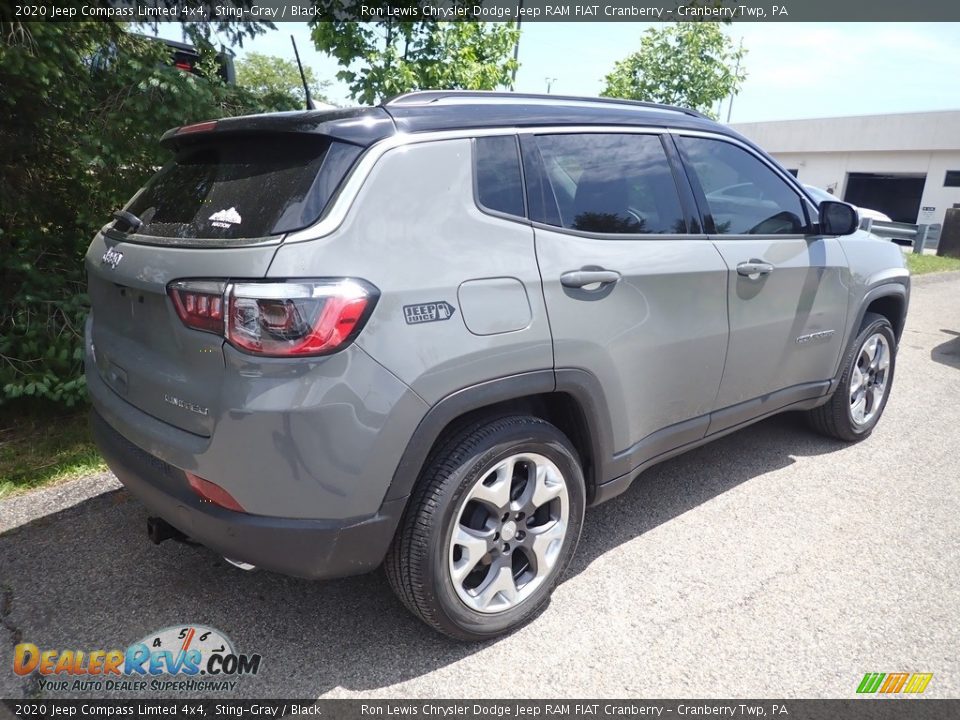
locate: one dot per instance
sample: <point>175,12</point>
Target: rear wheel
<point>493,523</point>
<point>860,398</point>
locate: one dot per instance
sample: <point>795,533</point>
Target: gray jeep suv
<point>429,334</point>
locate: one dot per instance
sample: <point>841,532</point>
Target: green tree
<point>82,108</point>
<point>692,64</point>
<point>275,82</point>
<point>385,58</point>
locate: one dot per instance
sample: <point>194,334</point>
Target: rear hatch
<point>216,212</point>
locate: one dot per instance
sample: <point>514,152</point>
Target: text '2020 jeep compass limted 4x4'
<point>428,334</point>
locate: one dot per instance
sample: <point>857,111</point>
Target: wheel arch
<point>570,399</point>
<point>892,305</point>
<point>889,299</point>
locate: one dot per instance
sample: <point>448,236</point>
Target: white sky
<point>794,70</point>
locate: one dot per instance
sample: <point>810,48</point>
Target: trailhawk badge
<point>226,218</point>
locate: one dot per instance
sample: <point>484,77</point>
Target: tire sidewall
<point>883,327</point>
<point>542,439</point>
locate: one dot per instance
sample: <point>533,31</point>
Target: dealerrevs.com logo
<point>180,658</point>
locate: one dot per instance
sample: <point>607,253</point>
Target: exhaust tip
<point>240,564</point>
<point>159,530</point>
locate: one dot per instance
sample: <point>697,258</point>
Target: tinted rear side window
<point>243,187</point>
<point>499,184</point>
<point>612,183</point>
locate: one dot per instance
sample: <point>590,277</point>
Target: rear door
<point>635,293</point>
<point>217,212</point>
<point>787,288</point>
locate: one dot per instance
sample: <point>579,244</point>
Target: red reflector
<point>213,493</point>
<point>184,66</point>
<point>197,127</point>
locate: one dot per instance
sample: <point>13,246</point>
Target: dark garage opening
<point>896,195</point>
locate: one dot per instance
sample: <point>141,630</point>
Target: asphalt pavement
<point>770,563</point>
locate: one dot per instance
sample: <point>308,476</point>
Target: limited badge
<point>428,312</point>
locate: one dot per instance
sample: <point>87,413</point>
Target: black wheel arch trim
<point>898,288</point>
<point>581,385</point>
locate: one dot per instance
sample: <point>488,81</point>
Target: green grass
<point>40,450</point>
<point>922,264</point>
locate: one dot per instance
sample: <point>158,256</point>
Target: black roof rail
<point>425,97</point>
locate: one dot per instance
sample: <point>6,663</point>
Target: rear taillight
<point>294,318</point>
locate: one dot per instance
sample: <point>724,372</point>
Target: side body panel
<point>416,233</point>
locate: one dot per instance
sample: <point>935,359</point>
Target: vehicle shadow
<point>948,353</point>
<point>88,578</point>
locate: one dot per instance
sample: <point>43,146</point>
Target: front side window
<point>612,183</point>
<point>744,195</point>
<point>499,184</point>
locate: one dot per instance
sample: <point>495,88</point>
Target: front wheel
<point>493,523</point>
<point>860,398</point>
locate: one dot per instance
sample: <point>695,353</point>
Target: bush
<point>82,108</point>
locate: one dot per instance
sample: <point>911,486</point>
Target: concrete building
<point>905,165</point>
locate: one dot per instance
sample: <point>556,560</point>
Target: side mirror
<point>838,218</point>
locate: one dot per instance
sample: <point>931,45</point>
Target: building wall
<point>824,150</point>
<point>825,169</point>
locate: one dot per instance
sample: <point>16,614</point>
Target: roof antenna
<point>306,88</point>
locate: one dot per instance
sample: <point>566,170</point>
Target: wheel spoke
<point>547,486</point>
<point>499,591</point>
<point>546,544</point>
<point>877,391</point>
<point>859,409</point>
<point>882,361</point>
<point>870,349</point>
<point>474,545</point>
<point>856,382</point>
<point>497,492</point>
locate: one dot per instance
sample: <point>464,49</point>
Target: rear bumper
<point>293,546</point>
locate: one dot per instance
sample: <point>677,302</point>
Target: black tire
<point>417,562</point>
<point>835,418</point>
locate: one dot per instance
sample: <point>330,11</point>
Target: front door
<point>787,288</point>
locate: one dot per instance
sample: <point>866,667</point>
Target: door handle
<point>582,278</point>
<point>754,269</point>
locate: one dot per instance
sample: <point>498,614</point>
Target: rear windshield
<point>247,187</point>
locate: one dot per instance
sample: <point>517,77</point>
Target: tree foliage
<point>82,108</point>
<point>385,58</point>
<point>691,64</point>
<point>276,83</point>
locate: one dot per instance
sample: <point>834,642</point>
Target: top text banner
<point>491,10</point>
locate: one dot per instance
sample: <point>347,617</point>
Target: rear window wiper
<point>126,222</point>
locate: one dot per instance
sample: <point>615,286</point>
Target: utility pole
<point>550,82</point>
<point>516,48</point>
<point>735,72</point>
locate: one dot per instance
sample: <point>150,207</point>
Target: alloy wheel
<point>868,380</point>
<point>509,532</point>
